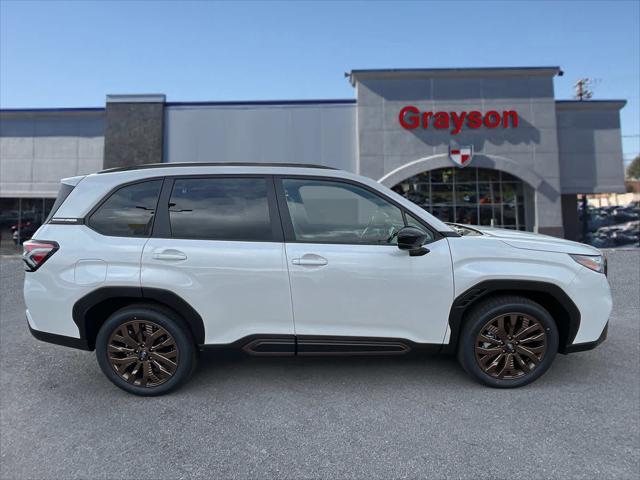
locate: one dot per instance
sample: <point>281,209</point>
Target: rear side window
<point>129,211</point>
<point>220,209</point>
<point>63,193</point>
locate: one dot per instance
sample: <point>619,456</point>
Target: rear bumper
<point>72,342</point>
<point>583,347</point>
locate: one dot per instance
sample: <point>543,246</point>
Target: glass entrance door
<point>473,196</point>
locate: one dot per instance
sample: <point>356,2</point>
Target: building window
<point>474,196</point>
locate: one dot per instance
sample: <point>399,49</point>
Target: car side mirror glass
<point>413,239</point>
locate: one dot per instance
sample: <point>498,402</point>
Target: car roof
<point>213,164</point>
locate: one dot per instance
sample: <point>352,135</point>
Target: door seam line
<point>293,316</point>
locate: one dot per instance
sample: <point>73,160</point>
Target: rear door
<point>348,277</point>
<point>217,243</point>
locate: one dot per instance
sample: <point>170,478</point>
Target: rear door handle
<point>170,255</point>
<point>310,260</point>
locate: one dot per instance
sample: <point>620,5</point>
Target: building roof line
<point>136,98</point>
<point>340,101</point>
<point>590,104</point>
<point>451,72</point>
<point>52,110</point>
<point>337,101</point>
<point>599,100</point>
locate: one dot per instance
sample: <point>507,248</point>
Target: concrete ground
<point>322,418</point>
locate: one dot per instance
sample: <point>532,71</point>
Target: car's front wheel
<point>145,350</point>
<point>508,341</point>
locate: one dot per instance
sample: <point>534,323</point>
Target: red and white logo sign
<point>461,156</point>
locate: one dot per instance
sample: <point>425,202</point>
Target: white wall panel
<point>322,134</point>
<point>37,149</point>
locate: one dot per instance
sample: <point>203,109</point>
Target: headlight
<point>597,263</point>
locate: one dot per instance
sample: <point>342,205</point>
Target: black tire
<point>160,318</point>
<point>471,347</point>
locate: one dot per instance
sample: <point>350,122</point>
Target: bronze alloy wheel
<point>510,345</point>
<point>143,353</point>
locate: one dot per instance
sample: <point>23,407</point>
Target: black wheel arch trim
<point>528,288</point>
<point>79,343</point>
<point>125,295</point>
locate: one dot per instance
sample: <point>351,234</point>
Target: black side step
<point>272,347</point>
<point>308,346</point>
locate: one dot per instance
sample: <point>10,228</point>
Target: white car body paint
<point>75,270</point>
<point>247,288</point>
<point>371,291</point>
<point>238,288</point>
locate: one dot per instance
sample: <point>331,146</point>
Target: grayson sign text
<point>411,117</point>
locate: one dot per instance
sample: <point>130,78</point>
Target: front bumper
<point>583,347</point>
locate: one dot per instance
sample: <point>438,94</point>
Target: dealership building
<point>488,146</point>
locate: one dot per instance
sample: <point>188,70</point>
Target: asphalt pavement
<point>301,418</point>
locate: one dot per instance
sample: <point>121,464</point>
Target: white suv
<point>148,265</point>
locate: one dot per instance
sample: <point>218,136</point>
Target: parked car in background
<point>21,232</point>
<point>611,226</point>
<point>624,234</point>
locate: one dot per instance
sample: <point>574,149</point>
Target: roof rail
<point>213,164</point>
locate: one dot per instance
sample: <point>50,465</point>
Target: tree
<point>633,170</point>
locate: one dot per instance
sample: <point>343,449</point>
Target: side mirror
<point>412,239</point>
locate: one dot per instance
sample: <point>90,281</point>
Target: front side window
<point>220,209</point>
<point>129,211</point>
<point>413,222</point>
<point>337,212</point>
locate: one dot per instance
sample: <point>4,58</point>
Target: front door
<point>348,278</point>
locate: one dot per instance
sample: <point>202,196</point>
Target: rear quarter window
<point>129,211</point>
<point>63,193</point>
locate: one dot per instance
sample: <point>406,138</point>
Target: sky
<point>71,54</point>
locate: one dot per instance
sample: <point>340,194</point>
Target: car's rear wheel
<point>508,341</point>
<point>145,350</point>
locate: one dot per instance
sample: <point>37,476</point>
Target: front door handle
<point>170,255</point>
<point>310,260</point>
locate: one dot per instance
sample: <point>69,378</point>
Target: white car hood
<point>536,241</point>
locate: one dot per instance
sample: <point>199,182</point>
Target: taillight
<point>36,252</point>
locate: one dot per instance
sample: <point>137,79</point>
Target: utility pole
<point>582,89</point>
<point>585,218</point>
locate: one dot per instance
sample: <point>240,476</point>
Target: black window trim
<point>86,219</point>
<point>287,224</point>
<point>281,225</point>
<point>162,223</point>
